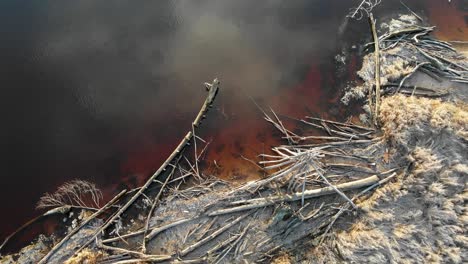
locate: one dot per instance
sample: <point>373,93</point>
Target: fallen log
<point>267,201</point>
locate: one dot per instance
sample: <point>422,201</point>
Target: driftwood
<point>414,90</point>
<point>375,113</point>
<point>267,201</point>
<point>158,230</point>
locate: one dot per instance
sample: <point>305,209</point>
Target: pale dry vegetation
<point>422,217</point>
<point>86,256</point>
<point>418,219</point>
<point>77,193</point>
<point>399,112</point>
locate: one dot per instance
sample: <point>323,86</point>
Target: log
<point>267,201</point>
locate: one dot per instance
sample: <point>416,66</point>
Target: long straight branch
<point>377,68</point>
<point>212,91</point>
<point>267,201</point>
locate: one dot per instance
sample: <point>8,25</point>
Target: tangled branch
<point>302,166</point>
<point>365,7</point>
<point>75,193</point>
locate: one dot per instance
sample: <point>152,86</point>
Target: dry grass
<point>75,193</point>
<point>86,256</point>
<point>420,218</point>
<point>392,68</point>
<point>282,259</point>
<point>401,115</point>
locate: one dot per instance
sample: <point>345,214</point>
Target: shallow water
<point>104,91</point>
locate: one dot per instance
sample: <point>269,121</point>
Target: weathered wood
<point>211,236</point>
<point>158,230</point>
<point>267,201</point>
<point>141,256</point>
<point>377,70</point>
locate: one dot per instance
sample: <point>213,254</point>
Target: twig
<point>410,74</point>
<point>144,257</point>
<point>416,15</point>
<point>329,130</point>
<point>352,167</point>
<point>211,236</point>
<point>158,230</point>
<point>305,138</point>
<point>222,244</point>
<point>340,124</point>
<point>122,237</point>
<point>236,241</point>
<point>148,182</point>
<point>365,6</point>
<point>279,125</point>
<point>377,70</point>
<point>340,143</point>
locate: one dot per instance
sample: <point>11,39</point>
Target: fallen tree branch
<point>158,230</point>
<point>412,12</point>
<point>375,114</point>
<point>212,91</point>
<point>341,124</point>
<point>213,235</point>
<point>410,74</point>
<point>267,201</point>
<point>346,207</point>
<point>141,256</point>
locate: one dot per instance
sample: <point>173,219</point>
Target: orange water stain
<point>450,18</point>
<point>234,150</point>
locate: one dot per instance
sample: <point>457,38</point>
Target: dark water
<point>103,91</point>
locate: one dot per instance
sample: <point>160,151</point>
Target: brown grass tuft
<point>399,114</point>
<point>86,257</point>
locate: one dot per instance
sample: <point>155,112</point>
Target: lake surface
<point>104,90</point>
